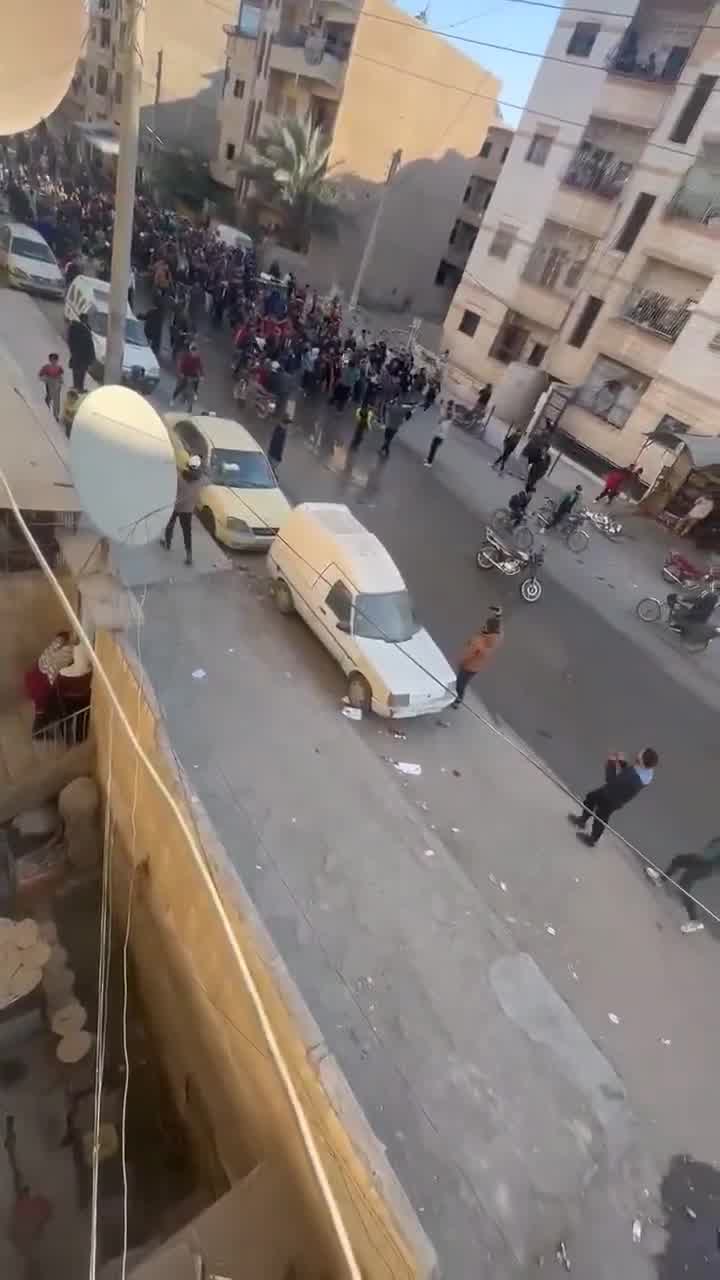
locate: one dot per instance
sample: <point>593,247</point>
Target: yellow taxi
<point>242,504</point>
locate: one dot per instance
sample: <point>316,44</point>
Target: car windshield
<point>134,332</point>
<point>385,617</point>
<point>241,469</point>
<point>36,249</point>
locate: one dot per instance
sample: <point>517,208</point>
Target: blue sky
<point>500,22</point>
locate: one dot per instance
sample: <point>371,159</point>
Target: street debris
<point>692,926</point>
<point>230,650</point>
<point>352,713</point>
<point>667,1043</point>
<point>549,929</point>
<point>652,874</point>
<point>258,867</point>
<point>690,1212</point>
<point>614,1019</point>
<point>199,674</point>
<point>424,805</point>
<point>561,1254</point>
<point>443,724</point>
<point>457,773</point>
<point>394,733</point>
<point>573,974</point>
<point>503,886</point>
<point>455,831</point>
<point>492,878</point>
<point>429,853</point>
<point>405,766</point>
<point>637,1231</point>
<point>511,919</point>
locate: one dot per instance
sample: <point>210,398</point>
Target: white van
<point>86,294</point>
<point>340,579</point>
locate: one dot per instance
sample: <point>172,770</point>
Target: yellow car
<point>241,505</point>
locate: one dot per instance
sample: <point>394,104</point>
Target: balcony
<point>302,54</point>
<point>597,171</point>
<point>642,56</point>
<point>657,313</point>
<point>698,202</point>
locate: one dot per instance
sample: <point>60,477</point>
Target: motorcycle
<point>604,524</point>
<point>696,636</point>
<point>681,572</point>
<point>494,554</point>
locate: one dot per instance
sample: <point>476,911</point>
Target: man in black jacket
<point>623,782</point>
<point>82,350</point>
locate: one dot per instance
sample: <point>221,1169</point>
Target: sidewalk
<point>471,1021</point>
<point>610,576</point>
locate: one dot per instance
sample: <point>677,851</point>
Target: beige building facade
<point>607,277</point>
<point>376,81</point>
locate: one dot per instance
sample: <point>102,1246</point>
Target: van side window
<point>339,600</point>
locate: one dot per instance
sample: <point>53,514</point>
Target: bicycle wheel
<point>577,540</point>
<point>649,609</point>
<point>523,537</point>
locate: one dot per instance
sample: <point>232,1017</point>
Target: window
<point>509,342</point>
<point>539,149</point>
<point>191,439</point>
<point>580,44</point>
<point>537,355</point>
<point>105,33</point>
<point>241,469</point>
<point>585,321</point>
<point>386,616</point>
<point>486,150</point>
<point>101,81</point>
<point>505,154</point>
<point>448,275</point>
<point>502,241</point>
<point>635,222</point>
<point>261,53</point>
<point>469,323</point>
<point>229,150</point>
<point>118,87</point>
<point>250,19</point>
<point>612,391</point>
<point>453,233</point>
<point>339,600</point>
<point>692,110</point>
<point>239,89</point>
<point>267,55</point>
<point>668,423</point>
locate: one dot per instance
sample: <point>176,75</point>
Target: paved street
<point>579,674</point>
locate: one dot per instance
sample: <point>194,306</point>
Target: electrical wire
<point>281,1066</point>
<point>101,1029</point>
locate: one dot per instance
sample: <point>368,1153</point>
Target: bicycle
<point>506,525</point>
<point>571,527</point>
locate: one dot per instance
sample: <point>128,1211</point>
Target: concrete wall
<point>29,617</point>
<point>215,1056</point>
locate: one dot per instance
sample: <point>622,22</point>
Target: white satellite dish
<point>123,465</point>
<point>41,43</point>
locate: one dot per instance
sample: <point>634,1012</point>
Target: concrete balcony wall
<point>582,210</point>
<point>642,103</point>
<point>544,306</point>
<point>291,59</point>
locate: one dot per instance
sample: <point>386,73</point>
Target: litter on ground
<point>637,1231</point>
<point>405,766</point>
<point>199,673</point>
<point>549,929</point>
<point>429,853</point>
<point>614,1019</point>
<point>352,713</point>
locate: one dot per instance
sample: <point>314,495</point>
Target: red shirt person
<point>614,482</point>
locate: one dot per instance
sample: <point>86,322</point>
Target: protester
<point>513,436</point>
<point>82,350</point>
<point>614,482</point>
<point>364,420</point>
<point>441,432</point>
<point>477,652</point>
<point>688,869</point>
<point>52,374</point>
<point>189,483</point>
<point>190,370</point>
<point>537,470</point>
<point>699,511</point>
<point>278,440</point>
<point>566,504</point>
<point>623,782</point>
<point>395,414</point>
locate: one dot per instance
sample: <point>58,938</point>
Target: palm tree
<point>289,167</point>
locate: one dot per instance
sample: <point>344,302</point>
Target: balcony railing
<point>554,267</point>
<point>656,64</point>
<point>598,171</point>
<point>656,312</point>
<point>696,206</point>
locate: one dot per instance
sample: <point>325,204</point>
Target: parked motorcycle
<point>681,572</point>
<point>494,554</point>
<point>696,636</point>
<point>604,524</point>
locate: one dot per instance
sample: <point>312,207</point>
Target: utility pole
<point>131,62</point>
<point>372,234</point>
<point>156,103</point>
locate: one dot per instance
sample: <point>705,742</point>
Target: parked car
<point>340,579</point>
<point>29,261</point>
<point>140,369</point>
<point>242,504</point>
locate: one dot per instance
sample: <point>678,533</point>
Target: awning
<point>704,450</point>
<point>35,455</point>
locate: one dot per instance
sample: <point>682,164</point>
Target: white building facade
<point>598,257</point>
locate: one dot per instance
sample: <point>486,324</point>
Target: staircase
<point>33,770</point>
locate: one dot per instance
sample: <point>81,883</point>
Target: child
<point>52,375</point>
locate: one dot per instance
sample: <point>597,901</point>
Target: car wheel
<point>283,597</point>
<point>359,692</point>
<point>207,520</point>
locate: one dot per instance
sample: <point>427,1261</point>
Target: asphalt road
<point>567,681</point>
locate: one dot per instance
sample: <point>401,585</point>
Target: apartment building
<point>376,81</point>
<point>597,258</point>
<point>476,197</point>
<point>184,55</point>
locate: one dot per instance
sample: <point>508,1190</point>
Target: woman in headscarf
<point>41,680</point>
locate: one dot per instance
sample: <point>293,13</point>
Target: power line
<point>604,13</point>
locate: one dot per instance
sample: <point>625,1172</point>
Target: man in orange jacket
<point>477,651</point>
